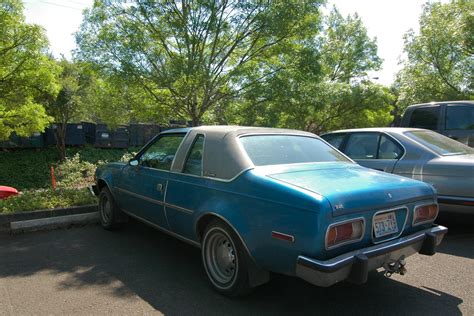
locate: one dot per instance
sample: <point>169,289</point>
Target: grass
<point>28,170</point>
<point>46,199</point>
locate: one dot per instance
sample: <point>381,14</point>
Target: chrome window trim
<point>164,230</point>
<point>213,178</point>
<point>389,136</point>
<point>372,236</point>
<point>153,141</point>
<point>427,221</point>
<point>347,241</point>
<point>189,153</point>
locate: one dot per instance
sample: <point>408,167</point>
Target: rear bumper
<point>354,266</point>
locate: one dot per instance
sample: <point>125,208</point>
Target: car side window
<point>425,117</point>
<point>362,145</point>
<point>193,163</point>
<point>388,149</point>
<point>161,153</point>
<point>334,139</point>
<point>460,117</point>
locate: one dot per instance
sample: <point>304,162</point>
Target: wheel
<point>225,260</point>
<point>111,216</point>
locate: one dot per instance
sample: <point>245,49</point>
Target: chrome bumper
<point>354,266</point>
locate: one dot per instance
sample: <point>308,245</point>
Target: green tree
<point>67,105</point>
<point>193,56</point>
<point>439,59</point>
<point>322,86</point>
<point>115,100</point>
<point>26,73</point>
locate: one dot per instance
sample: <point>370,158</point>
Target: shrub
<point>46,199</point>
<point>74,173</point>
<point>30,168</point>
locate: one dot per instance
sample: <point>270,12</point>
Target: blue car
<point>261,200</point>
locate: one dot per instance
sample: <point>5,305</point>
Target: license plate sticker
<point>385,224</point>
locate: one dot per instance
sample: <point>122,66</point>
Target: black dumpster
<point>77,134</point>
<point>89,132</point>
<point>140,134</point>
<point>36,140</point>
<point>105,138</point>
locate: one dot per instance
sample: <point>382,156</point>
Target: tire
<point>111,217</point>
<point>225,260</point>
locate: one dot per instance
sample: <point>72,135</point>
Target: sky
<point>387,20</point>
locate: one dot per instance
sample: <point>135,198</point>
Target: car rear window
<point>287,149</point>
<point>438,143</point>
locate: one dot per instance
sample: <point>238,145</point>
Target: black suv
<point>454,119</point>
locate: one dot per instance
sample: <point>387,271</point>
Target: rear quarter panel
<point>254,206</point>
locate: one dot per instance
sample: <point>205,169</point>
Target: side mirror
<point>133,162</point>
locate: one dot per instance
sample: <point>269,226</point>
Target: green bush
<point>46,199</point>
<point>30,168</point>
<point>29,171</point>
<point>74,173</point>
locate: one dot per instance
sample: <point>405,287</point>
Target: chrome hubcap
<point>105,209</point>
<point>220,258</point>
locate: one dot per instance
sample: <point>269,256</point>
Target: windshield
<point>438,143</point>
<point>286,149</point>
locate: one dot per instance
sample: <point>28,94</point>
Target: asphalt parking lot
<point>86,270</point>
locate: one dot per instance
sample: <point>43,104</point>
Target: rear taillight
<point>425,213</point>
<point>344,233</point>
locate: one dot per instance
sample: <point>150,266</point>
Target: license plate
<point>385,224</point>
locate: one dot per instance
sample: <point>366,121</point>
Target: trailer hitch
<point>397,266</point>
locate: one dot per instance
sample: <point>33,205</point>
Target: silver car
<point>418,154</point>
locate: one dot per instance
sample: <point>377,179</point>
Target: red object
<point>282,236</point>
<point>53,178</point>
<point>7,192</point>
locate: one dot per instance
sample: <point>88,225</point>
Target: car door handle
<point>159,187</point>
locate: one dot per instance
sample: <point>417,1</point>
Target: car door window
<point>460,117</point>
<point>362,146</point>
<point>161,153</point>
<point>334,139</point>
<point>193,163</point>
<point>426,117</point>
<point>388,149</point>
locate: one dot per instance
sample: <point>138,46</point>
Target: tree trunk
<point>60,135</point>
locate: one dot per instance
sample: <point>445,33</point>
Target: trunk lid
<point>351,188</point>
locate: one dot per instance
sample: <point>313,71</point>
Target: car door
<point>373,150</point>
<point>142,187</point>
<point>459,123</point>
<point>187,190</point>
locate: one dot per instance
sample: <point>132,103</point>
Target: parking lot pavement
<point>139,270</point>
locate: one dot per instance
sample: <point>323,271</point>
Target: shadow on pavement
<point>168,275</point>
<point>460,238</point>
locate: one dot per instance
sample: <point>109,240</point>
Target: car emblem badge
<point>339,206</point>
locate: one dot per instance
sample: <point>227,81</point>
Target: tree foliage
<point>192,55</point>
<point>26,73</point>
<point>322,86</point>
<point>439,59</point>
